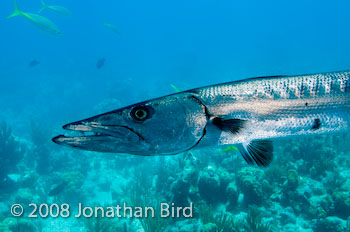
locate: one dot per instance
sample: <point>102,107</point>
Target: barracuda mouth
<point>77,134</point>
<point>96,137</point>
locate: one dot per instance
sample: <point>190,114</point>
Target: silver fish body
<point>281,106</point>
<point>248,113</point>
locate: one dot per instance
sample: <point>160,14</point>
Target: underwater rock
<point>330,224</point>
<point>295,152</point>
<point>184,226</point>
<point>29,179</point>
<point>225,177</point>
<point>190,172</point>
<point>342,204</point>
<point>104,184</point>
<point>26,196</point>
<point>22,224</point>
<point>181,186</point>
<point>276,174</point>
<point>306,198</point>
<point>231,164</point>
<point>295,228</point>
<point>327,204</point>
<point>11,153</point>
<point>4,228</point>
<point>73,192</point>
<point>292,180</point>
<point>287,216</point>
<point>209,185</point>
<point>209,227</point>
<point>4,207</point>
<point>232,194</point>
<point>180,190</point>
<point>252,183</point>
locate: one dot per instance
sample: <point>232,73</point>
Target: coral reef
<point>41,149</point>
<point>254,222</point>
<point>292,180</point>
<point>306,188</point>
<point>232,195</point>
<point>221,221</point>
<point>209,184</point>
<point>252,183</point>
<point>327,224</point>
<point>72,192</point>
<point>20,225</point>
<point>156,223</point>
<point>342,204</point>
<point>103,224</point>
<point>11,153</point>
<point>141,195</point>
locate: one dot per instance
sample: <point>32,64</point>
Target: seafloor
<point>306,188</point>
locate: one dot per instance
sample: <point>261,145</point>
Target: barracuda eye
<point>141,113</point>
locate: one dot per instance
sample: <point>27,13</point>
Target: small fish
<point>37,20</point>
<point>229,148</point>
<point>57,189</point>
<point>177,90</point>
<point>55,8</point>
<point>247,113</point>
<point>112,27</point>
<point>33,63</point>
<point>100,63</point>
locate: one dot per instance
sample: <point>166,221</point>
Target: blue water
<point>185,43</point>
<point>161,43</point>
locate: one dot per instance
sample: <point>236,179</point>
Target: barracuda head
<point>167,125</point>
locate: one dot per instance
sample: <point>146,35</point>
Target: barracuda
<point>248,113</point>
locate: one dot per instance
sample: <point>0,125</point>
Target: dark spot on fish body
<point>317,124</point>
<point>306,104</point>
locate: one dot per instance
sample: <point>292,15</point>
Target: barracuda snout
<point>91,134</point>
<point>141,129</point>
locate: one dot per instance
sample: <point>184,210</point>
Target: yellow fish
<point>39,21</point>
<point>112,27</point>
<point>229,148</point>
<point>177,90</point>
<point>57,9</point>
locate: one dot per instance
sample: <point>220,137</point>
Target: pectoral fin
<point>231,125</point>
<point>259,152</point>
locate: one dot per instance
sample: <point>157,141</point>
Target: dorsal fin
<point>259,152</point>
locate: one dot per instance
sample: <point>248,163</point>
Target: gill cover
<point>169,125</point>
